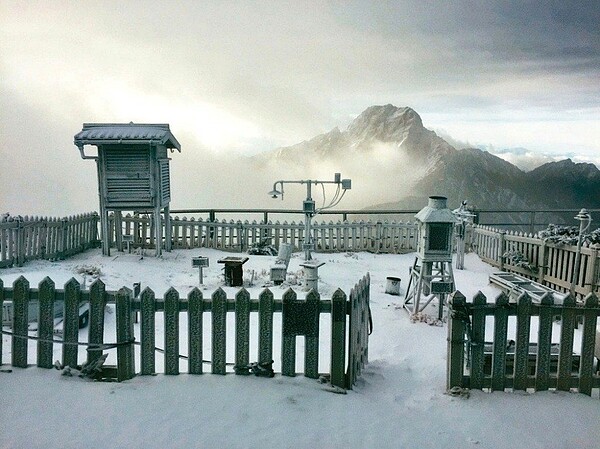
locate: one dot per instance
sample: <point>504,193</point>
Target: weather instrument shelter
<point>431,274</point>
<point>133,174</point>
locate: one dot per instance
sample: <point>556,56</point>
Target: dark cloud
<point>257,75</point>
<point>509,30</point>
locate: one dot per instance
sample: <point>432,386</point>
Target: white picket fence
<point>27,238</point>
<point>533,360</point>
<point>553,265</point>
<point>379,237</point>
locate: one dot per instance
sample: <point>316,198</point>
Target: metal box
<point>442,287</point>
<point>308,207</point>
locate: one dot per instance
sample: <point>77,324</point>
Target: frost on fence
<point>349,322</point>
<point>568,235</point>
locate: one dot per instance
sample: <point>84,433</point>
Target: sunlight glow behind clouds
<point>212,128</point>
<point>241,78</point>
<point>248,78</point>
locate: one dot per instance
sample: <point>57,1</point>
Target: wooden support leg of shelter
<point>168,230</point>
<point>432,279</point>
<point>158,231</point>
<point>119,230</point>
<point>104,230</point>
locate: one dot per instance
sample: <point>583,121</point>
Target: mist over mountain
<point>396,163</point>
<point>398,129</point>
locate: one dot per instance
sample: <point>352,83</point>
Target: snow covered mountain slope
<point>389,153</point>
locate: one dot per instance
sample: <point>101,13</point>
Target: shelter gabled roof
<point>124,133</point>
<point>436,211</point>
<point>431,215</point>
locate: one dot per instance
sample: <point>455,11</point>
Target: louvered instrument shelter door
<point>165,185</point>
<point>128,177</point>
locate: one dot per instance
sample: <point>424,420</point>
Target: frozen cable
<point>90,346</point>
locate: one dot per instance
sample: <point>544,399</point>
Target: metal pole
<point>307,223</point>
<point>582,216</point>
<point>577,262</point>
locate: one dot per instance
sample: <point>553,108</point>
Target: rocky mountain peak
<point>386,123</point>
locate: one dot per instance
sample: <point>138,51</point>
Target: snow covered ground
<point>399,402</point>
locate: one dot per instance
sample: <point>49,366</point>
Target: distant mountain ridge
<point>425,164</point>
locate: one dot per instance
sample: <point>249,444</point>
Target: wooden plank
<point>265,324</point>
<point>242,331</point>
<point>521,364</point>
<point>338,339</point>
<point>171,316</point>
<point>353,338</point>
<point>586,360</point>
<point>362,318</point>
<point>311,346</point>
<point>124,319</point>
<point>195,328</point>
<point>219,329</point>
<point>565,356</point>
<point>591,276</point>
<point>542,369</point>
<point>288,344</point>
<point>456,343</point>
<point>45,346</point>
<point>147,332</point>
<point>477,341</point>
<point>21,294</point>
<point>500,339</point>
<point>363,325</point>
<point>96,326</point>
<point>71,323</point>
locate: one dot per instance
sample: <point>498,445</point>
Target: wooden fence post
<point>20,322</point>
<point>477,342</point>
<point>288,344</point>
<point>501,249</point>
<point>63,239</point>
<point>242,331</point>
<point>96,326</point>
<point>586,364</point>
<point>265,320</point>
<point>20,242</point>
<point>171,331</point>
<point>338,339</point>
<point>147,332</point>
<point>219,328</point>
<point>456,340</point>
<point>521,364</point>
<point>591,276</point>
<point>311,345</point>
<point>45,323</point>
<point>565,356</point>
<point>125,354</point>
<point>542,262</point>
<point>195,313</point>
<point>71,323</point>
<point>542,368</point>
<point>378,237</point>
<point>500,339</point>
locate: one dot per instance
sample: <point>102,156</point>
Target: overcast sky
<point>246,77</point>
